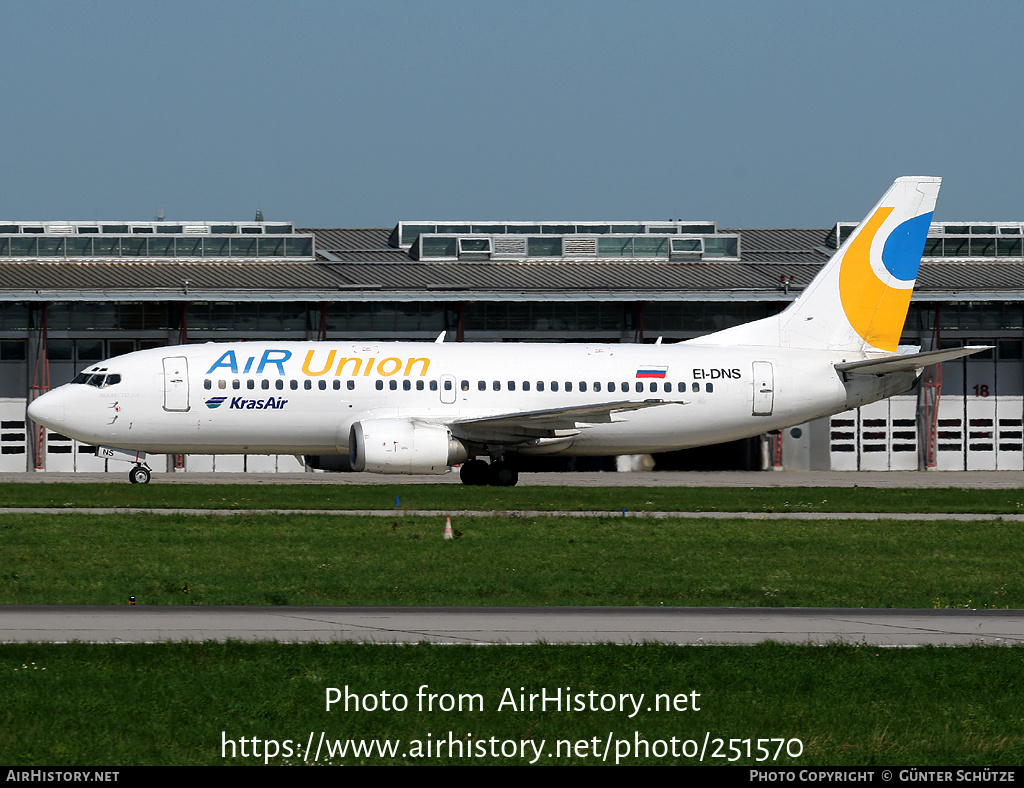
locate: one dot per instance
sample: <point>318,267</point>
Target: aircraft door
<point>764,388</point>
<point>448,391</point>
<point>176,384</point>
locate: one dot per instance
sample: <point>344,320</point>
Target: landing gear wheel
<point>139,475</point>
<point>503,475</point>
<point>474,473</point>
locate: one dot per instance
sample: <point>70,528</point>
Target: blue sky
<point>358,114</point>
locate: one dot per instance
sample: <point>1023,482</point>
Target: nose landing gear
<point>140,474</point>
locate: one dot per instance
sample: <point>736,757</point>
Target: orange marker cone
<point>447,529</point>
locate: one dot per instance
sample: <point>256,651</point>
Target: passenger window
<point>597,385</point>
<point>654,388</point>
<point>496,385</point>
<point>351,385</point>
<point>554,385</point>
<point>380,385</point>
<point>293,384</point>
<point>481,385</point>
<point>568,386</point>
<point>406,385</point>
<point>308,385</point>
<point>625,387</point>
<point>250,384</point>
<point>695,386</point>
<point>433,385</point>
<point>222,384</point>
<point>419,385</point>
<point>526,385</point>
<point>511,385</point>
<point>465,385</point>
<point>709,387</point>
<point>393,385</point>
<point>207,384</point>
<point>235,384</point>
<point>322,385</point>
<point>639,386</point>
<point>265,384</point>
<point>279,384</point>
<point>540,385</point>
<point>583,385</point>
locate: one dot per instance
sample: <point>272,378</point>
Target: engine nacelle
<point>402,446</point>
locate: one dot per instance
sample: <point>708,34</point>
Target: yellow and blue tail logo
<point>858,302</point>
<point>878,270</point>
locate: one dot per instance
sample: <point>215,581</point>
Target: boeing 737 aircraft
<point>405,408</point>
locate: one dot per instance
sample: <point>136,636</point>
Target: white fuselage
<point>303,397</point>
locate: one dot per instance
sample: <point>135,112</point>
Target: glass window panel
<point>78,247</point>
<point>224,229</point>
<point>13,350</point>
<point>188,247</point>
<point>489,229</point>
<point>544,247</point>
<point>243,247</point>
<point>1008,247</point>
<point>270,247</point>
<point>410,232</point>
<point>932,247</point>
<point>627,228</point>
<point>720,247</point>
<point>23,247</point>
<point>983,247</point>
<point>437,247</point>
<point>133,247</point>
<point>614,247</point>
<point>298,247</point>
<point>13,317</point>
<point>59,349</point>
<point>161,247</point>
<point>216,247</point>
<point>51,247</point>
<point>558,229</point>
<point>955,247</point>
<point>106,247</point>
<point>522,229</point>
<point>453,228</point>
<point>90,350</point>
<point>650,246</point>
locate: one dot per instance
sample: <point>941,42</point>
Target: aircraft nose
<point>48,409</point>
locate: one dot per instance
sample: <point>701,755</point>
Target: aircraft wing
<point>550,422</point>
<point>910,361</point>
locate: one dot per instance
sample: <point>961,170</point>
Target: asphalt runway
<point>915,479</point>
<point>512,625</point>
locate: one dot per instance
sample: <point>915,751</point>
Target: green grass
<point>306,559</point>
<point>454,497</point>
<point>175,704</point>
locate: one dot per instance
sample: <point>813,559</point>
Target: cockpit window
<point>99,380</point>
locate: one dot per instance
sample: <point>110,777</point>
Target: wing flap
<point>548,423</point>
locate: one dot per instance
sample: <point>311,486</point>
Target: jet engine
<point>402,446</point>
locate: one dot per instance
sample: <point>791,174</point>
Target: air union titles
<point>317,363</point>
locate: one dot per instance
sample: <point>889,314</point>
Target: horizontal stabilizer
<point>910,361</point>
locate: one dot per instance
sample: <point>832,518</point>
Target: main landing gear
<point>478,473</point>
<point>139,475</point>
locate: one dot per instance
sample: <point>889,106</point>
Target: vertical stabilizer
<point>859,300</point>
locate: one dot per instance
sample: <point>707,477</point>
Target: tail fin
<point>859,300</point>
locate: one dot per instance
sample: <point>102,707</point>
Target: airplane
<point>421,408</point>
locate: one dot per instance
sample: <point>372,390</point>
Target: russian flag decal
<point>651,372</point>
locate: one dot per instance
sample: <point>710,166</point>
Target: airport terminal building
<point>75,293</point>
